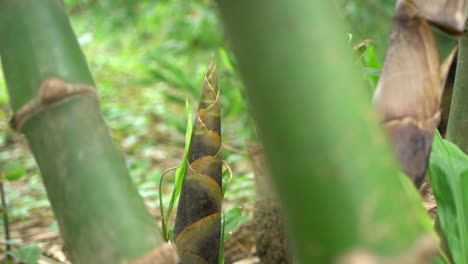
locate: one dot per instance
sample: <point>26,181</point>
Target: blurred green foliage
<point>448,174</point>
<point>148,57</point>
<point>372,19</point>
<point>369,19</point>
<point>28,254</point>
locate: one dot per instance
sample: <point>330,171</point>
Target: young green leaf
<point>172,74</point>
<point>227,59</point>
<point>372,65</point>
<point>170,233</point>
<point>227,177</point>
<point>222,241</point>
<point>232,219</point>
<point>14,171</point>
<point>179,176</point>
<point>448,174</point>
<point>180,172</point>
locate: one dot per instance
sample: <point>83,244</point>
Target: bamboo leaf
<point>227,177</point>
<point>372,66</point>
<point>222,241</point>
<point>172,74</point>
<point>448,175</point>
<point>14,171</point>
<point>179,177</point>
<point>232,219</point>
<point>227,60</point>
<point>180,172</point>
<point>170,233</point>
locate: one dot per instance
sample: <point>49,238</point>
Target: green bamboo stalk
<point>333,168</point>
<point>100,214</point>
<point>198,221</point>
<point>457,122</point>
<point>6,222</point>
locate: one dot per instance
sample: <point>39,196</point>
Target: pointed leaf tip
<point>212,61</point>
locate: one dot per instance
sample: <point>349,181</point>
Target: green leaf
<point>227,177</point>
<point>232,219</point>
<point>221,242</point>
<point>170,233</point>
<point>180,172</point>
<point>227,59</point>
<point>173,75</point>
<point>14,171</point>
<point>28,254</point>
<point>372,71</point>
<point>372,65</point>
<point>370,59</point>
<point>53,226</point>
<point>448,174</point>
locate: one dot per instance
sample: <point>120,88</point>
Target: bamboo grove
<point>53,97</point>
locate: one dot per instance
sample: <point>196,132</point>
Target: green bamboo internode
<point>329,159</point>
<point>100,214</point>
<point>198,221</point>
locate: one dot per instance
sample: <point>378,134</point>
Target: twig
<point>5,222</point>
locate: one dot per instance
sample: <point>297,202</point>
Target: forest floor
<point>148,58</point>
<point>40,230</point>
<point>32,223</point>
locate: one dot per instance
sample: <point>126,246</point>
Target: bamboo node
<point>428,124</point>
<point>52,91</point>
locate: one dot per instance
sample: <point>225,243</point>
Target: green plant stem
<point>101,216</point>
<point>6,223</point>
<point>331,164</point>
<point>164,218</point>
<point>457,122</point>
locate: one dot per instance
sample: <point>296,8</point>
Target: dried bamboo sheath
<point>411,85</point>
